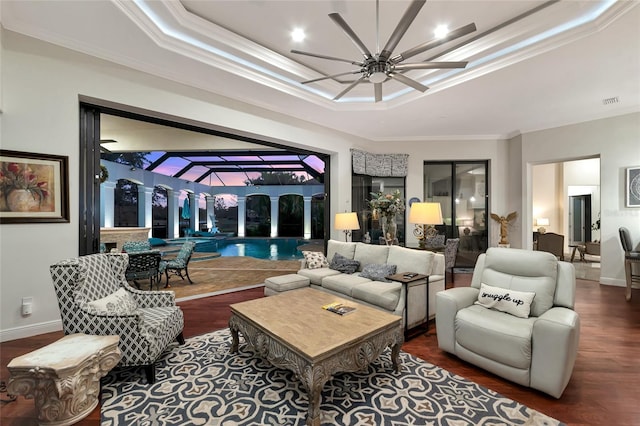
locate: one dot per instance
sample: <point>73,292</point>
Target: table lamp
<point>542,222</point>
<point>425,216</point>
<point>346,222</point>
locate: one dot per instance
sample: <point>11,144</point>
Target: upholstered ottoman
<point>63,378</point>
<point>281,283</point>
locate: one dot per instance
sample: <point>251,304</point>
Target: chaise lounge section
<point>388,296</point>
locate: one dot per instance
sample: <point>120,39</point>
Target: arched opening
<point>290,216</point>
<point>317,217</point>
<point>159,213</point>
<point>125,204</point>
<point>258,216</point>
<point>225,209</point>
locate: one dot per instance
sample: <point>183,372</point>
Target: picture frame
<point>633,186</point>
<point>34,188</point>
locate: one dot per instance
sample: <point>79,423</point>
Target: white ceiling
<point>551,67</point>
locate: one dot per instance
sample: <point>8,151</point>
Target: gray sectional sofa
<point>387,296</point>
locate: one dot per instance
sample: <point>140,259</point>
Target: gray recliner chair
<point>537,350</point>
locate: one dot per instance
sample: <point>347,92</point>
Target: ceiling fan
<point>382,66</point>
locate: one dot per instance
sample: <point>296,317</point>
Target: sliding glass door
<point>461,189</point>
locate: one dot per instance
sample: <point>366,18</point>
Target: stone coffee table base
<point>314,374</point>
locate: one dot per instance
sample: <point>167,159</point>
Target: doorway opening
<point>206,143</point>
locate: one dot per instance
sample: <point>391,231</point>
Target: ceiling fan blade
<point>377,88</point>
<point>331,58</point>
<point>459,32</point>
<point>351,34</point>
<point>330,76</point>
<point>409,82</point>
<point>430,66</point>
<point>351,86</point>
<point>402,27</point>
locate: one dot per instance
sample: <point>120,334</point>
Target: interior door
<point>461,189</point>
<point>579,219</point>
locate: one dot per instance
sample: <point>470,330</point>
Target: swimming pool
<point>261,248</point>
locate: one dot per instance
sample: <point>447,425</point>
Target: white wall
<point>42,84</point>
<point>545,196</point>
<point>582,177</point>
<point>554,183</point>
<point>616,141</point>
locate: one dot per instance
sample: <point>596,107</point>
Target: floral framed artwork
<point>633,187</point>
<point>33,187</point>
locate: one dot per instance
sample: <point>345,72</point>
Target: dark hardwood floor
<point>604,388</point>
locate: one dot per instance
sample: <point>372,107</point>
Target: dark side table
<point>406,278</point>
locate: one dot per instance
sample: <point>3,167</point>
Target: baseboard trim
<point>30,330</point>
<point>616,282</point>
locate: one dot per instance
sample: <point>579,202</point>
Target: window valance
<point>380,165</point>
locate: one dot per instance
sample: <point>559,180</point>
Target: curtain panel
<point>379,165</point>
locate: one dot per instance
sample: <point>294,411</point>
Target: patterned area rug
<point>202,383</point>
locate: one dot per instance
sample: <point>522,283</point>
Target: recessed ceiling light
<point>298,35</point>
<point>441,31</point>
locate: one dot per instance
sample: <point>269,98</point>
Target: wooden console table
<point>406,278</point>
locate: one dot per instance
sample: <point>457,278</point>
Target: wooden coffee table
<point>292,331</point>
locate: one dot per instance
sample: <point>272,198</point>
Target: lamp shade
<point>346,221</point>
<point>542,221</point>
<point>426,214</point>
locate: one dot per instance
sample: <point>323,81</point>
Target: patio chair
<point>179,264</point>
<point>94,298</point>
<point>135,246</point>
<point>144,265</point>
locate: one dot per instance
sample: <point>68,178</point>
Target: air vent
<point>609,101</point>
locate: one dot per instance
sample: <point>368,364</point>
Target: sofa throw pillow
<point>344,264</point>
<point>315,259</point>
<point>517,303</point>
<point>120,303</point>
<point>378,272</point>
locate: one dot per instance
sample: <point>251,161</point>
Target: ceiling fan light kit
<point>382,66</point>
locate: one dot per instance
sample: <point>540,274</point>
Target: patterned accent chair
<point>179,264</point>
<point>95,298</point>
<point>435,242</point>
<point>450,253</point>
<point>135,246</point>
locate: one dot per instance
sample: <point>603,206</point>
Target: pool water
<point>261,248</point>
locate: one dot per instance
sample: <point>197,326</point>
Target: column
<point>173,211</point>
<point>274,215</point>
<point>211,213</point>
<point>107,204</point>
<point>145,201</point>
<point>307,217</point>
<point>242,214</point>
<point>193,211</point>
